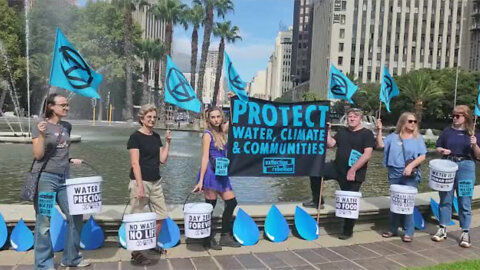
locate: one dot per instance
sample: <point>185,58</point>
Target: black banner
<point>277,139</point>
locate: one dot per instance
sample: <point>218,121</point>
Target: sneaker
<point>440,235</point>
<point>82,263</point>
<point>465,240</point>
<point>226,240</point>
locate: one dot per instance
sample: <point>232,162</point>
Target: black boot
<point>211,243</point>
<point>226,240</point>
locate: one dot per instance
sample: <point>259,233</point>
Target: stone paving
<point>366,250</point>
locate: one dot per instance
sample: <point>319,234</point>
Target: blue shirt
<point>393,153</point>
<point>457,141</point>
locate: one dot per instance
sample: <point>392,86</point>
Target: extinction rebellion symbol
<point>235,82</point>
<point>339,85</point>
<point>180,91</point>
<point>389,86</point>
<point>75,68</point>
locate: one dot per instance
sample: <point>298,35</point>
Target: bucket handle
<point>90,166</point>
<point>186,199</point>
<point>128,202</point>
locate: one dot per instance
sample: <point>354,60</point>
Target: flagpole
<point>320,200</point>
<point>380,109</point>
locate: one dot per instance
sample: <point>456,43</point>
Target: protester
<point>146,154</point>
<point>458,144</point>
<point>404,151</point>
<point>354,149</point>
<point>51,145</point>
<point>214,146</point>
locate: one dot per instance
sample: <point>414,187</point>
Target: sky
<point>259,22</point>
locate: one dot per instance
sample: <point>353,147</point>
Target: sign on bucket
<point>140,230</point>
<point>402,199</point>
<point>198,219</point>
<point>347,204</point>
<point>84,195</point>
<point>442,174</point>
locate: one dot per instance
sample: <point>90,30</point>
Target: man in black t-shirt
<point>354,148</point>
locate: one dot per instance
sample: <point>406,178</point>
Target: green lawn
<point>465,265</point>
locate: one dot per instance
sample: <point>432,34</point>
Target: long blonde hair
<point>402,120</point>
<point>467,113</point>
<point>219,135</point>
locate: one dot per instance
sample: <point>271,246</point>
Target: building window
<point>340,47</point>
<point>340,60</point>
<point>342,19</point>
<point>342,33</point>
<point>344,5</point>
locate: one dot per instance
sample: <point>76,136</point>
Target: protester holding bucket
<point>458,144</point>
<point>213,179</point>
<point>146,154</point>
<point>51,144</point>
<point>404,151</point>
<point>354,149</point>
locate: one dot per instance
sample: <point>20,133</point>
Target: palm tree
<point>419,87</point>
<point>195,18</point>
<point>157,55</point>
<point>149,50</point>
<point>222,7</point>
<point>225,32</point>
<point>170,11</point>
<point>129,6</point>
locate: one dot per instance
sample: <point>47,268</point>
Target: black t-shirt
<point>350,146</point>
<point>149,147</point>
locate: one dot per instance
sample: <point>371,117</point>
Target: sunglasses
<point>412,121</point>
<point>457,115</point>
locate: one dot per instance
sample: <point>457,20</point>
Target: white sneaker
<point>440,235</point>
<point>82,263</point>
<point>465,240</point>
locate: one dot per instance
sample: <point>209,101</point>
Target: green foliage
<point>310,96</point>
<point>11,44</point>
<point>463,265</point>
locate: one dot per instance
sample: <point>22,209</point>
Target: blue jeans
<point>395,177</point>
<point>50,182</point>
<point>466,171</point>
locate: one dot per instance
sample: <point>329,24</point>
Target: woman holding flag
<point>51,148</point>
<point>404,151</point>
<point>459,144</point>
<point>210,181</point>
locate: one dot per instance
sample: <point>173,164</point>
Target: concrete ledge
<point>372,209</point>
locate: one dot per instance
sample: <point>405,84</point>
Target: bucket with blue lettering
<point>347,204</point>
<point>84,195</point>
<point>442,174</point>
<point>140,231</point>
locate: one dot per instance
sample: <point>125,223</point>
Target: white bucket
<point>347,204</point>
<point>84,195</point>
<point>442,174</point>
<point>198,219</point>
<point>402,199</point>
<point>140,231</point>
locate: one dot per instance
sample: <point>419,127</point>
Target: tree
<point>225,31</point>
<point>418,87</point>
<point>10,49</point>
<point>222,7</point>
<point>128,6</point>
<point>170,11</point>
<point>195,18</point>
<point>149,50</point>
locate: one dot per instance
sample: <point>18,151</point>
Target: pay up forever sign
<point>277,139</point>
